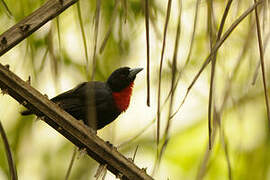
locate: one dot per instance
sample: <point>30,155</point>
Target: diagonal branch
<point>78,133</point>
<point>31,23</point>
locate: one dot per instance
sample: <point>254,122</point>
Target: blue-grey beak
<point>133,72</point>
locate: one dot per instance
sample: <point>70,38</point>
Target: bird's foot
<point>101,171</point>
<point>82,152</point>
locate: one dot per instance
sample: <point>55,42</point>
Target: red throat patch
<point>122,98</point>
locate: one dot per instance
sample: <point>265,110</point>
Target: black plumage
<point>94,100</point>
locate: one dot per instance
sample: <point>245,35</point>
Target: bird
<point>101,101</point>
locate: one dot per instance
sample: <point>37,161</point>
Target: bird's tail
<point>26,112</point>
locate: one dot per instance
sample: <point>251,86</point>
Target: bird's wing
<point>71,100</point>
<point>81,97</point>
<point>71,93</point>
<point>68,101</point>
<point>79,100</point>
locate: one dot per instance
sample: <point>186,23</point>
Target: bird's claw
<point>82,152</point>
<point>4,91</point>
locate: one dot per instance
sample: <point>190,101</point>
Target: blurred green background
<point>55,58</point>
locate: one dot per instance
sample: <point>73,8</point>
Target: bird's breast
<point>122,98</point>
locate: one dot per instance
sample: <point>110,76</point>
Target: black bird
<point>110,99</point>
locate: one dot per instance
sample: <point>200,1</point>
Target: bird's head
<point>122,78</point>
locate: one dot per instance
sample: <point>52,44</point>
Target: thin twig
<point>11,163</point>
<point>174,70</point>
<point>146,8</point>
<point>135,152</point>
<point>59,36</point>
<point>225,146</point>
<point>105,172</point>
<point>210,26</point>
<point>160,67</point>
<point>203,166</point>
<point>159,157</point>
<point>194,31</point>
<point>154,25</point>
<point>262,62</point>
<point>217,116</point>
<point>216,47</point>
<point>211,42</point>
<point>54,59</point>
<point>8,12</point>
<point>236,67</point>
<point>265,43</point>
<point>107,35</point>
<point>71,163</point>
<point>43,59</point>
<point>202,170</point>
<point>31,54</point>
<point>225,14</point>
<point>97,17</point>
<point>124,2</point>
<point>84,38</point>
<point>102,168</point>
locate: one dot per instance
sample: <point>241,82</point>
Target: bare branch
<point>31,23</point>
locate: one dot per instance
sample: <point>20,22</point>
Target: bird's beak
<point>133,72</point>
